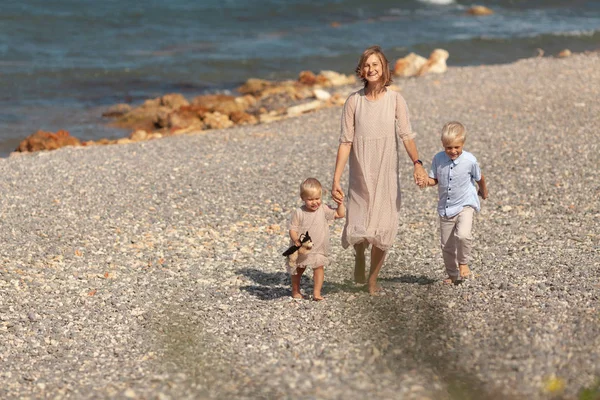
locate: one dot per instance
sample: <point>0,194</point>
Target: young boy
<point>456,172</point>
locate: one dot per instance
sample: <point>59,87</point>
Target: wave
<point>440,2</point>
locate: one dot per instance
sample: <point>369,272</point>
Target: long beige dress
<point>376,130</point>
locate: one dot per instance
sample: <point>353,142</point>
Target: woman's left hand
<point>420,175</point>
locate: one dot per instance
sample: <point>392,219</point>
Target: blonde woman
<point>375,120</point>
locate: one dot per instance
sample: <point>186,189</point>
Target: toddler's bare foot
<point>450,281</point>
<point>360,278</point>
<point>464,271</point>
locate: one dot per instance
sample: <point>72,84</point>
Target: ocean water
<point>62,62</point>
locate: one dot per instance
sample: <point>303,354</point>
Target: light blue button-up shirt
<point>456,182</point>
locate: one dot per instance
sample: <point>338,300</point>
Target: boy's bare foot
<point>297,296</point>
<point>450,281</point>
<point>318,298</point>
<point>464,271</point>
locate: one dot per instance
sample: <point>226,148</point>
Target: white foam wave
<point>439,2</point>
<point>576,33</point>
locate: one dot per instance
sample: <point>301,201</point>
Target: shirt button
<point>449,189</point>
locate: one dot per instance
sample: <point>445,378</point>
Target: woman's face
<point>372,69</point>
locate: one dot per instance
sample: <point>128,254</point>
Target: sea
<point>64,62</point>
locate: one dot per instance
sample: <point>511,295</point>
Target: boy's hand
<point>483,193</point>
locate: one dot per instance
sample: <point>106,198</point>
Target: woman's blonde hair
<point>453,131</point>
<point>310,185</point>
<point>386,76</point>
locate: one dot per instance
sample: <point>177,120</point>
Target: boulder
<point>216,120</point>
<point>307,78</point>
<point>254,86</point>
<point>224,104</point>
<point>138,136</point>
<point>479,10</point>
<point>409,65</point>
<point>436,64</point>
<point>332,78</point>
<point>243,118</point>
<point>42,140</point>
<point>564,53</point>
<point>302,108</point>
<point>173,101</point>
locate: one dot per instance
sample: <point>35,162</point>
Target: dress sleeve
<point>295,221</point>
<point>403,128</point>
<point>347,131</point>
<point>329,213</point>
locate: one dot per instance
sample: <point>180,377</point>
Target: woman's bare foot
<point>464,271</point>
<point>375,290</point>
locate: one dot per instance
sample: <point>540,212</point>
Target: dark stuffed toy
<point>305,245</point>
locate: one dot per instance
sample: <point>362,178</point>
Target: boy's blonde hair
<point>454,131</point>
<point>309,186</point>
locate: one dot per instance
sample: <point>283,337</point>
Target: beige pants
<point>455,239</point>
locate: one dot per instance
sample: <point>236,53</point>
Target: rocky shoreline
<point>153,269</point>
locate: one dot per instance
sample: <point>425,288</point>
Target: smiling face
<point>372,69</point>
<point>312,200</point>
<point>454,148</point>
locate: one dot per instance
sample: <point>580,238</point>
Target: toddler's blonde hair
<point>310,185</point>
<point>454,131</point>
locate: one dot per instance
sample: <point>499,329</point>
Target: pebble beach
<point>153,270</point>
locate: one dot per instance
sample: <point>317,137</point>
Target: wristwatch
<point>418,162</point>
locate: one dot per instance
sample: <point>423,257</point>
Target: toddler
<point>314,218</point>
<point>456,172</point>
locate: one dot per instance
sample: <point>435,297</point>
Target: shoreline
<point>154,269</point>
<point>296,96</point>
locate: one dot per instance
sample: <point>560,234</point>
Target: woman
<point>374,120</point>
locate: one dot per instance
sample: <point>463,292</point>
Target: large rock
<point>479,10</point>
<point>216,120</point>
<point>224,104</point>
<point>409,65</point>
<point>332,78</point>
<point>42,140</point>
<point>254,86</point>
<point>152,114</point>
<point>436,64</point>
<point>415,65</point>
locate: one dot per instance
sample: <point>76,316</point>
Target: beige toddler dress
<point>317,225</point>
<point>376,129</point>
